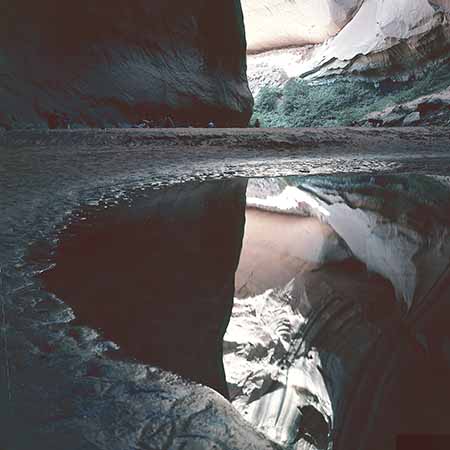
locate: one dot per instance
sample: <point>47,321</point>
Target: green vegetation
<point>339,102</point>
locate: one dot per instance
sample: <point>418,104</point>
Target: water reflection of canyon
<point>339,327</point>
<point>331,276</point>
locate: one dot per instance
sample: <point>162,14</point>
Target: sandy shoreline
<point>226,152</point>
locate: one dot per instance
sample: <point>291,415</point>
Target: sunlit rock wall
<point>386,38</point>
<point>111,64</point>
<point>276,24</point>
<point>371,39</point>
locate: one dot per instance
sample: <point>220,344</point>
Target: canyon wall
<point>387,38</point>
<point>369,39</point>
<point>285,23</point>
<point>115,64</point>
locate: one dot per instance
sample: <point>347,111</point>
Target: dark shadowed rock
<point>116,63</point>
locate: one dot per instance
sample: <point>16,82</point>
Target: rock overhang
<point>112,65</point>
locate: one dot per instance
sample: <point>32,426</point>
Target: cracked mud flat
<point>58,389</point>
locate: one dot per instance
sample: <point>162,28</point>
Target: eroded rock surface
<point>386,38</point>
<point>425,111</point>
<point>272,25</point>
<point>370,39</point>
<point>116,64</point>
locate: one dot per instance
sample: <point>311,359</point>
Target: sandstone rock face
<point>116,64</point>
<point>383,35</point>
<point>377,40</point>
<point>425,111</point>
<point>308,362</point>
<point>276,24</point>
